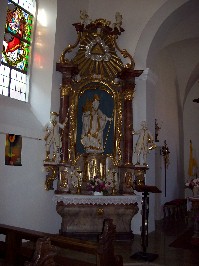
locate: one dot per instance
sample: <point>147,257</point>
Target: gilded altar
<point>95,115</point>
<point>93,130</point>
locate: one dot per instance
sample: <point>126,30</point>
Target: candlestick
<point>114,181</point>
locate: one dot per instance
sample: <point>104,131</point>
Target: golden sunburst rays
<point>97,55</point>
<point>113,67</point>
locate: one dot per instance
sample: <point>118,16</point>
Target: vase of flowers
<point>193,184</point>
<point>98,186</point>
<point>96,193</point>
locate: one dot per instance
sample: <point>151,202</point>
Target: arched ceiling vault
<point>173,25</point>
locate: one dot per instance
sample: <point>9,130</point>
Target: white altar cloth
<point>98,200</point>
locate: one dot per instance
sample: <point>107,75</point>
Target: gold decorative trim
<point>73,126</point>
<point>96,53</point>
<point>117,117</point>
<point>52,171</point>
<point>100,211</point>
<point>65,90</point>
<point>128,95</point>
<point>125,54</point>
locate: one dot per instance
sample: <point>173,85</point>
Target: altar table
<point>83,215</point>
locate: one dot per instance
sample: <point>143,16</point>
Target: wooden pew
<point>57,248</point>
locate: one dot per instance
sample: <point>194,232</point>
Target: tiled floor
<point>158,243</point>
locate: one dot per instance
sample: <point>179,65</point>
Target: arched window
<point>14,81</point>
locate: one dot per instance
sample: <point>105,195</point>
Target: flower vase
<point>96,193</point>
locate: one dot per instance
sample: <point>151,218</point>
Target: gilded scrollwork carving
<point>63,179</point>
<point>126,54</point>
<point>100,211</point>
<point>73,125</point>
<point>128,95</point>
<point>65,90</point>
<point>52,172</point>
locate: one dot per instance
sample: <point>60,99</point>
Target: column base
<point>144,256</point>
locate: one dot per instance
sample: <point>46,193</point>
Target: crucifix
<point>165,153</point>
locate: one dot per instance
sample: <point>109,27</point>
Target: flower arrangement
<point>193,183</point>
<point>96,184</point>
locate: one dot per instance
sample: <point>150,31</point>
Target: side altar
<point>89,141</point>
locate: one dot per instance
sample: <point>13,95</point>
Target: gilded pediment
<point>97,52</point>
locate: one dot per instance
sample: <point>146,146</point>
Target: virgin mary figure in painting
<point>94,122</point>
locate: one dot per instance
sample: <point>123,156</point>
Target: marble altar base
<point>86,220</point>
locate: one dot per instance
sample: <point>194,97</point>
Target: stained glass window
<point>17,49</point>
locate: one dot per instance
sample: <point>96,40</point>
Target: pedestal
<point>143,255</point>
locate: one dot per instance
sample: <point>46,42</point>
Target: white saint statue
<point>84,17</point>
<point>118,21</point>
<point>94,122</point>
<point>144,143</point>
<point>52,137</point>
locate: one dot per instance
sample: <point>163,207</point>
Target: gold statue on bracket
<point>94,95</point>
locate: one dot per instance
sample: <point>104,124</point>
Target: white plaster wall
<point>152,30</point>
<point>181,30</point>
<point>23,199</point>
<point>178,63</point>
<point>184,65</point>
<point>136,15</point>
<point>65,34</point>
<point>42,60</point>
<point>191,118</point>
<point>166,110</point>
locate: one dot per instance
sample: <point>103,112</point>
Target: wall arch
<point>156,43</point>
<point>153,35</point>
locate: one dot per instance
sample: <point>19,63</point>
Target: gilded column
<point>68,71</point>
<point>128,80</point>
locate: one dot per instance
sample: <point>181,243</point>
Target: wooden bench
<point>56,248</point>
<point>175,209</point>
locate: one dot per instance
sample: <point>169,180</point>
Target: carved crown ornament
<point>98,48</point>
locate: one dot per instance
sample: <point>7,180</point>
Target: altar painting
<point>95,121</point>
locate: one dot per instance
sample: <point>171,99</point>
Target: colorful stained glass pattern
<point>17,54</point>
<point>29,5</point>
<point>16,44</point>
<point>4,80</point>
<point>18,86</point>
<point>18,22</point>
<point>16,49</point>
<point>13,84</point>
